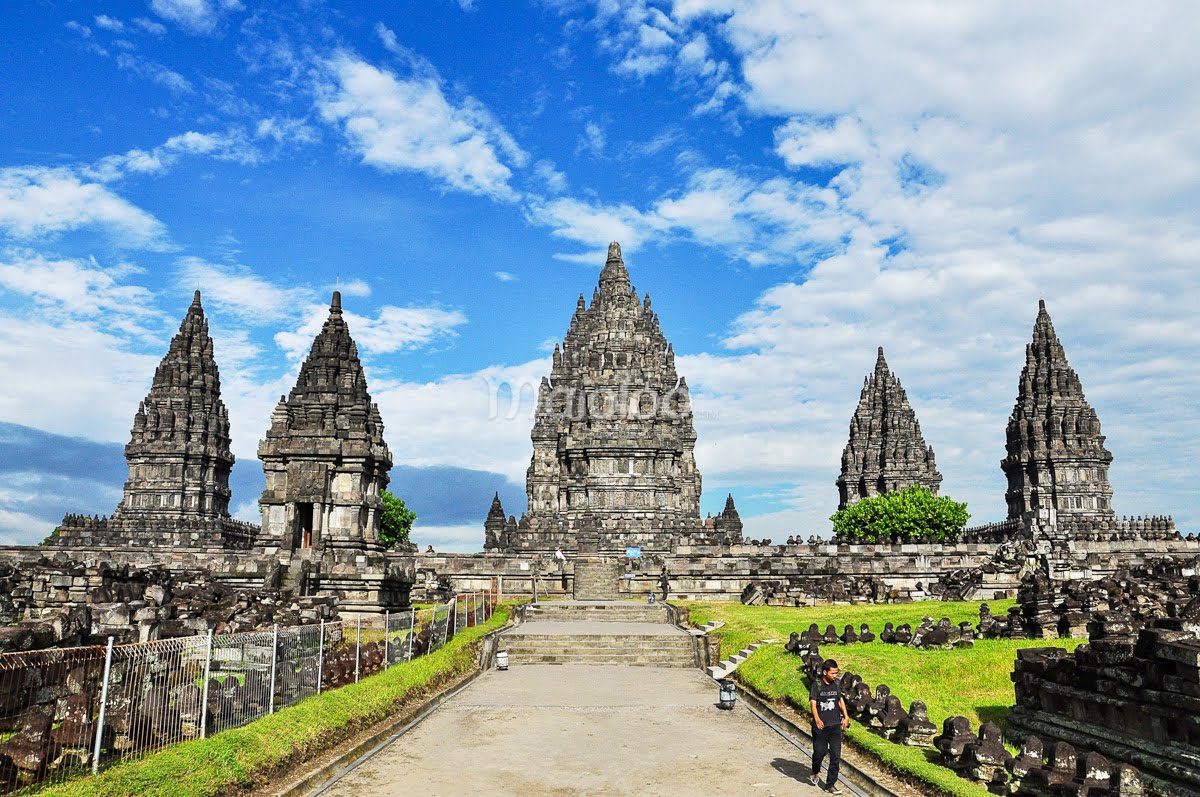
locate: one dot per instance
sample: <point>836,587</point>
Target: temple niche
<point>324,456</point>
<point>886,451</point>
<point>1056,456</point>
<point>613,460</point>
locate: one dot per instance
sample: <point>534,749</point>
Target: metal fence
<point>67,712</point>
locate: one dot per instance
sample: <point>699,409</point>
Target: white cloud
<point>394,329</point>
<point>467,538</point>
<point>554,180</point>
<point>37,201</point>
<point>408,124</point>
<point>505,276</point>
<point>169,79</point>
<point>109,23</point>
<point>811,142</point>
<point>284,129</point>
<point>354,287</point>
<point>150,26</point>
<point>75,377</point>
<point>76,287</point>
<point>239,291</point>
<point>592,140</point>
<point>195,16</point>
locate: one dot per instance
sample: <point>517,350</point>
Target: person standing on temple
<point>664,584</point>
<point>830,718</point>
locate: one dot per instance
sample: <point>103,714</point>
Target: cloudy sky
<point>793,183</point>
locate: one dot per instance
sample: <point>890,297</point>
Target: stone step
<point>551,643</point>
<point>612,661</point>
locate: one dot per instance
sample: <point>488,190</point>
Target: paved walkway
<point>572,730</point>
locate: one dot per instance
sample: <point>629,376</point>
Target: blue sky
<point>793,184</point>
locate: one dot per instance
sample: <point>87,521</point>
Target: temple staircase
<point>612,633</point>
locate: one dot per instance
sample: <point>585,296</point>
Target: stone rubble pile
<point>54,603</point>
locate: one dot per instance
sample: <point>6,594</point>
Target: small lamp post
<point>501,659</point>
<point>728,693</point>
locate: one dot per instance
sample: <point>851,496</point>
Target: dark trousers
<point>827,741</point>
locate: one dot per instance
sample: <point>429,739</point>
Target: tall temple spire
<point>324,456</point>
<point>613,437</point>
<point>178,452</point>
<point>886,451</point>
<point>1056,457</point>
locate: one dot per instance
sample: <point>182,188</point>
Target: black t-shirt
<point>827,696</point>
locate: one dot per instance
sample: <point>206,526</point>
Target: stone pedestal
<point>597,579</point>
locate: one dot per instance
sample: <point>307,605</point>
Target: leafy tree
<point>912,515</point>
<point>397,521</point>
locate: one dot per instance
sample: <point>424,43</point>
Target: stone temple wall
<point>806,571</point>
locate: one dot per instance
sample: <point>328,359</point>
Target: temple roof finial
<point>196,298</point>
<point>336,303</point>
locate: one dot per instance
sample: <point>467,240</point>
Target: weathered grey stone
<point>886,451</point>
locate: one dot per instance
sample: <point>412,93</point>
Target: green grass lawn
<point>974,682</point>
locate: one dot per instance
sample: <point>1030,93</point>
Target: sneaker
<point>834,789</point>
<point>814,779</point>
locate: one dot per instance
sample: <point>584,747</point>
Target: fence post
<point>204,698</point>
<point>387,627</point>
<point>274,659</point>
<point>103,706</point>
<point>454,615</point>
<point>321,658</point>
<point>412,632</point>
<point>475,597</point>
<point>358,650</point>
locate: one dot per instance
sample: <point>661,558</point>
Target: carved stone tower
<point>1056,455</point>
<point>613,439</point>
<point>886,451</point>
<point>324,457</point>
<point>178,452</point>
<point>177,494</point>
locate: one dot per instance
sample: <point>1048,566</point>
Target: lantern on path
<point>501,659</point>
<point>728,693</point>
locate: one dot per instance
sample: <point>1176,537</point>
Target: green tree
<point>912,515</point>
<point>397,520</point>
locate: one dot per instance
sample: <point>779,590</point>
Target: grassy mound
<point>240,758</point>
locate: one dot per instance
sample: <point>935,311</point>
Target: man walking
<point>830,718</point>
<point>664,584</point>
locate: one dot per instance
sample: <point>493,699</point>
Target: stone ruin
<point>1143,594</point>
<point>63,603</point>
<point>1131,693</point>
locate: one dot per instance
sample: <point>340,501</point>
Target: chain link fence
<point>67,712</point>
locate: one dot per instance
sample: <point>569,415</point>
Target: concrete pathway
<point>573,730</point>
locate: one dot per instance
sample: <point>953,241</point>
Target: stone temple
<point>613,461</point>
<point>178,455</point>
<point>1056,455</point>
<point>886,451</point>
<point>613,467</point>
